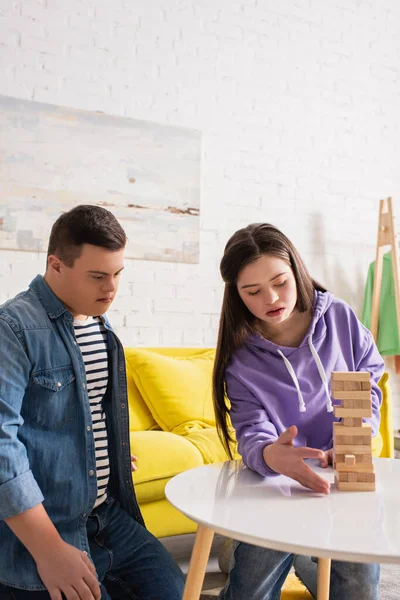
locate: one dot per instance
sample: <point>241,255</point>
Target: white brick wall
<point>298,105</point>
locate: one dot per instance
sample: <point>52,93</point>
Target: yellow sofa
<point>172,426</point>
<point>172,429</point>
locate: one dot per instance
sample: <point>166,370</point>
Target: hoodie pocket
<point>50,398</point>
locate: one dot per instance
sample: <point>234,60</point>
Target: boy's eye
<point>97,276</point>
<point>254,293</point>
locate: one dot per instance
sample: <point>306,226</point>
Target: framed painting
<point>146,174</point>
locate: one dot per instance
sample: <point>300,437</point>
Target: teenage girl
<point>281,335</point>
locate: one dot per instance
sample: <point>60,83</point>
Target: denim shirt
<point>47,449</point>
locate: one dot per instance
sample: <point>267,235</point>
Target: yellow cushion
<point>377,445</point>
<point>177,390</point>
<point>386,426</point>
<point>209,445</point>
<point>162,519</point>
<point>293,589</point>
<point>161,455</point>
<point>140,417</point>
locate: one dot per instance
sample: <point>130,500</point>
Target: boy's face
<point>88,287</point>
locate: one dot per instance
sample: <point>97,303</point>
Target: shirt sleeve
<point>19,490</point>
<point>252,424</point>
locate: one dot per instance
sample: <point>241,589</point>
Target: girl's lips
<point>275,313</point>
<point>105,300</point>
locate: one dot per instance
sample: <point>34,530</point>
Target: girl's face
<point>268,289</point>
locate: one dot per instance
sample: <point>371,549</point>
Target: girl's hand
<point>327,459</point>
<point>133,461</point>
<point>284,458</point>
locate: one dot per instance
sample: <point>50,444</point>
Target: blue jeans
<point>259,574</point>
<point>131,563</point>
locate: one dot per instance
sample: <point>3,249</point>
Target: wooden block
<point>337,386</point>
<point>355,486</point>
<point>352,422</point>
<point>357,468</point>
<point>352,412</point>
<point>350,386</point>
<point>362,460</point>
<point>350,376</point>
<point>352,476</point>
<point>351,449</point>
<point>352,440</point>
<point>340,428</point>
<point>357,440</point>
<point>344,440</point>
<point>368,477</point>
<point>349,459</point>
<point>356,403</point>
<point>345,395</point>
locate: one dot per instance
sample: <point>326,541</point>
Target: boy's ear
<point>54,263</point>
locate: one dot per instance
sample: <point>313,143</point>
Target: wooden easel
<point>387,236</point>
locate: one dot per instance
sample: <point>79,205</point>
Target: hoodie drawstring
<point>322,374</point>
<point>302,406</point>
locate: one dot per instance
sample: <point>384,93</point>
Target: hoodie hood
<point>317,329</point>
<point>322,302</point>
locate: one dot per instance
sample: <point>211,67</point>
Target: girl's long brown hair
<point>237,322</point>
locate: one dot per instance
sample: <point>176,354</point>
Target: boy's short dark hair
<point>84,224</point>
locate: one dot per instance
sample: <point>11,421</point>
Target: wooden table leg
<point>324,578</point>
<point>198,563</point>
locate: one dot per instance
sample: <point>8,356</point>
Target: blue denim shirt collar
<point>50,302</point>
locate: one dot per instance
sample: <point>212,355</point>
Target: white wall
<point>297,101</point>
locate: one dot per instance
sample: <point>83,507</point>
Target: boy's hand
<point>68,572</point>
<point>133,461</point>
<point>327,459</point>
<point>284,458</point>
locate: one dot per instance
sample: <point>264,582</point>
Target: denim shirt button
<point>83,385</point>
<point>59,384</point>
<point>122,405</point>
<point>88,428</point>
<point>121,368</point>
<point>91,472</point>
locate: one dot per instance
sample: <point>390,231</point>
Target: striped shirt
<point>91,337</point>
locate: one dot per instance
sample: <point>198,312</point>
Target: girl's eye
<point>254,293</point>
<point>281,284</point>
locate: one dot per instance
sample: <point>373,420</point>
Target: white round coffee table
<point>278,513</point>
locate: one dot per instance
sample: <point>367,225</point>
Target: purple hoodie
<point>272,387</point>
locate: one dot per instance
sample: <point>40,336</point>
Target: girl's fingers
<point>304,452</point>
<point>308,478</point>
<point>324,462</point>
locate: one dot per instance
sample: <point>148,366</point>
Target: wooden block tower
<point>352,439</point>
